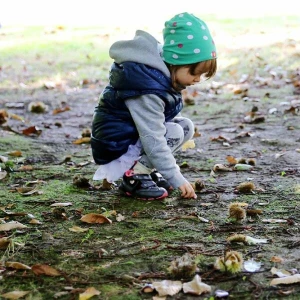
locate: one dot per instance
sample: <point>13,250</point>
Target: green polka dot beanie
<point>187,40</point>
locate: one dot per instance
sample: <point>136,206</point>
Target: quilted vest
<point>113,128</point>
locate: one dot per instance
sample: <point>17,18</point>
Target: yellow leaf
<point>15,294</point>
<point>89,293</point>
<point>15,153</point>
<point>17,265</point>
<point>83,140</point>
<point>188,145</point>
<point>78,229</point>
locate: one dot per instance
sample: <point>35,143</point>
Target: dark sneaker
<point>141,186</point>
<point>160,181</point>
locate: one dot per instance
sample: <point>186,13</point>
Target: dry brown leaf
<point>33,130</point>
<point>27,191</point>
<point>16,153</point>
<point>35,221</point>
<point>17,265</point>
<point>60,110</point>
<point>25,168</point>
<point>4,242</point>
<point>40,269</point>
<point>15,294</point>
<point>276,259</point>
<point>11,225</point>
<point>95,218</point>
<point>83,140</point>
<point>221,167</point>
<point>220,138</point>
<point>232,160</point>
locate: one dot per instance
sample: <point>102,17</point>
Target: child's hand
<point>187,191</point>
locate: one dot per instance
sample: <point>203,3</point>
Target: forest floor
<point>245,167</point>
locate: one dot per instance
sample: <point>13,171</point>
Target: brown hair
<point>208,69</point>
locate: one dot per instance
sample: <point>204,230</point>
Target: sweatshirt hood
<point>143,48</point>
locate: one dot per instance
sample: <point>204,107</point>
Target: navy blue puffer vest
<point>113,128</point>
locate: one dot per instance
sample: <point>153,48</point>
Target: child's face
<point>184,78</point>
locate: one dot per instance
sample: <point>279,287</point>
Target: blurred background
<point>131,12</point>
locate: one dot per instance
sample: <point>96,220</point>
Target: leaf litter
<point>103,244</point>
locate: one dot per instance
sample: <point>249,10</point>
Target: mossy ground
<point>144,238</point>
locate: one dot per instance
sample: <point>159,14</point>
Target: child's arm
<point>148,114</point>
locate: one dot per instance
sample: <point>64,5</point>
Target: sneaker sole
<point>164,195</point>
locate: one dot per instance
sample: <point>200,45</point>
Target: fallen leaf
<point>188,145</point>
<point>95,218</point>
<point>120,218</point>
<point>276,259</point>
<point>15,294</point>
<point>89,293</point>
<point>33,130</point>
<point>16,153</point>
<point>60,110</point>
<point>27,191</point>
<point>78,229</point>
<point>196,287</point>
<point>286,280</point>
<point>4,242</point>
<point>11,225</point>
<point>3,174</point>
<point>17,265</point>
<point>273,221</point>
<point>83,140</point>
<point>167,287</point>
<point>25,168</point>
<point>40,269</point>
<point>221,167</point>
<point>61,204</point>
<point>279,272</point>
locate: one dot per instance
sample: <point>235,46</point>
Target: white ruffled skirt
<point>116,168</point>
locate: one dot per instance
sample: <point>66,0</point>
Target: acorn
<point>251,161</point>
<point>199,185</point>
